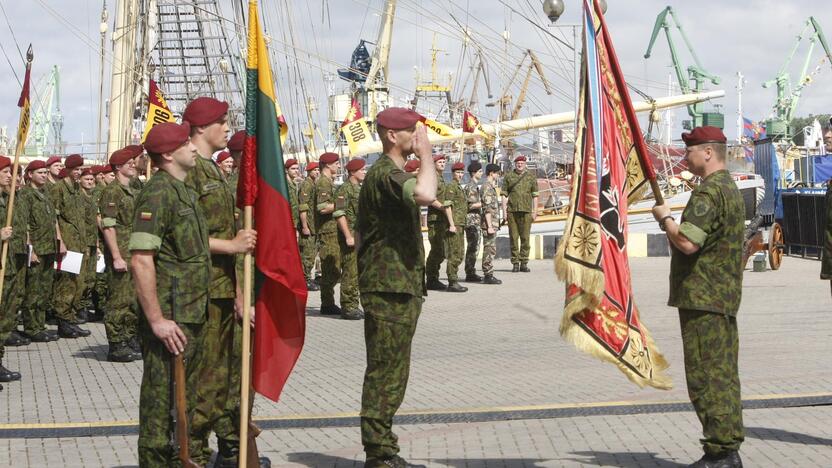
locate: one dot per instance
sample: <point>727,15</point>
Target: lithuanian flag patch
<point>145,215</point>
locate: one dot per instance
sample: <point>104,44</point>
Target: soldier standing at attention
<point>15,273</point>
<point>87,185</point>
<point>42,230</point>
<point>169,243</point>
<point>455,240</point>
<point>472,222</point>
<point>327,231</point>
<point>219,391</point>
<point>439,225</point>
<point>54,164</point>
<point>391,275</point>
<point>71,211</point>
<point>520,205</point>
<point>116,206</point>
<point>490,223</point>
<point>226,164</point>
<point>100,284</point>
<point>346,213</point>
<point>307,242</point>
<point>706,286</point>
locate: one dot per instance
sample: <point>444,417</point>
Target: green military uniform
<point>72,219</point>
<point>437,232</point>
<point>293,201</point>
<point>15,273</point>
<point>169,222</point>
<point>117,206</point>
<point>826,254</point>
<point>308,244</point>
<point>102,278</point>
<point>455,242</point>
<point>521,189</point>
<point>326,230</point>
<point>392,282</point>
<point>473,219</point>
<point>706,286</point>
<point>91,252</point>
<point>490,205</point>
<point>219,391</point>
<point>346,206</point>
<point>40,219</point>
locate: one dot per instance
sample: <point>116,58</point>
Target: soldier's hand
<point>245,240</point>
<point>306,232</point>
<point>119,264</point>
<point>421,144</point>
<point>660,211</point>
<point>6,232</point>
<point>169,333</point>
<point>452,229</point>
<point>61,248</point>
<point>491,230</point>
<point>238,311</point>
<point>35,258</point>
<point>534,215</point>
<point>350,241</point>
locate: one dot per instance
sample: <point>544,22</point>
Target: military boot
<point>82,316</point>
<point>17,339</point>
<point>435,285</point>
<point>311,285</point>
<point>67,329</point>
<point>490,279</point>
<point>390,462</point>
<point>330,309</point>
<point>120,352</point>
<point>456,287</point>
<point>515,268</point>
<point>730,459</point>
<point>352,314</point>
<point>524,268</point>
<point>134,345</point>
<point>7,375</point>
<point>473,278</point>
<point>42,336</point>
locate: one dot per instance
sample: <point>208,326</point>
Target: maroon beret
<point>289,163</point>
<point>311,166</point>
<point>125,154</point>
<point>52,160</point>
<point>73,160</point>
<point>204,111</point>
<point>437,157</point>
<point>355,164</point>
<point>35,165</point>
<point>458,167</point>
<point>520,158</point>
<point>411,165</point>
<point>105,169</point>
<point>87,171</point>
<point>706,134</point>
<point>328,158</point>
<point>63,173</point>
<point>166,137</point>
<point>235,143</point>
<point>223,156</point>
<point>398,118</point>
<point>5,162</point>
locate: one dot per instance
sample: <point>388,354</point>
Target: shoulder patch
<point>700,208</point>
<point>145,216</point>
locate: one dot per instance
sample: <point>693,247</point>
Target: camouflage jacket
<point>346,203</point>
<point>71,211</point>
<point>39,219</point>
<point>826,255</point>
<point>455,196</point>
<point>306,200</point>
<point>233,180</point>
<point>17,243</point>
<point>391,258</point>
<point>217,205</point>
<point>490,204</point>
<point>292,187</point>
<point>91,217</point>
<point>711,278</point>
<point>436,215</point>
<point>117,206</point>
<point>472,196</point>
<point>324,194</point>
<point>520,188</point>
<point>169,222</point>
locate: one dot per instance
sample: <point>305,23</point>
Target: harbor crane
<point>696,77</point>
<point>47,120</point>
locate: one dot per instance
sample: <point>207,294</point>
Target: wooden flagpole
<point>245,374</point>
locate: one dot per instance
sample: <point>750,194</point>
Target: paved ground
<point>493,348</point>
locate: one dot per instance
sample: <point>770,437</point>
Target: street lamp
<point>554,8</point>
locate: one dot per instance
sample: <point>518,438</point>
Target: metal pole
<point>100,153</point>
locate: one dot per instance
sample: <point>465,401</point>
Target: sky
<point>752,37</point>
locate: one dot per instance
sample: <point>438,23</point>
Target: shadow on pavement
<point>765,433</point>
<point>320,459</point>
<point>97,352</point>
<point>484,462</point>
<point>623,459</point>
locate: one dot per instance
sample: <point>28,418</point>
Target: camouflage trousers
<point>350,297</point>
<point>218,395</point>
<point>455,249</point>
<point>155,404</point>
<point>489,251</point>
<point>308,246</point>
<point>437,237</point>
<point>40,278</point>
<point>389,325</point>
<point>472,239</point>
<point>711,345</point>
<point>519,229</point>
<point>69,290</point>
<point>12,297</point>
<point>89,278</point>
<point>121,318</point>
<point>330,253</point>
<point>100,291</point>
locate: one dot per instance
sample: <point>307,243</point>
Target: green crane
<point>777,127</point>
<point>696,76</point>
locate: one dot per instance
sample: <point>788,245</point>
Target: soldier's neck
<point>203,148</point>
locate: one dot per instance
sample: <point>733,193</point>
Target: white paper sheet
<point>71,263</point>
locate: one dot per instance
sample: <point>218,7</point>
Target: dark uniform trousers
<point>39,280</point>
<point>389,325</point>
<point>437,236</point>
<point>155,429</point>
<point>519,228</point>
<point>12,297</point>
<point>472,239</point>
<point>711,345</point>
<point>330,252</point>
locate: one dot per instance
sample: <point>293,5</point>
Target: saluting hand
<point>169,333</point>
<point>421,144</point>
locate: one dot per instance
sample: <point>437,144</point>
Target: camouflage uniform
<point>72,219</point>
<point>101,279</point>
<point>15,274</point>
<point>39,219</point>
<point>117,206</point>
<point>826,255</point>
<point>91,251</point>
<point>392,283</point>
<point>346,205</point>
<point>293,201</point>
<point>455,242</point>
<point>308,244</point>
<point>520,188</point>
<point>706,287</point>
<point>219,392</point>
<point>472,227</point>
<point>169,222</point>
<point>437,231</point>
<point>327,232</point>
<point>490,204</point>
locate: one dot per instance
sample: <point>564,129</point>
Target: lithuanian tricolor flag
<point>280,288</point>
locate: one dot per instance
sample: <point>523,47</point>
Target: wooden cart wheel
<point>776,244</point>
